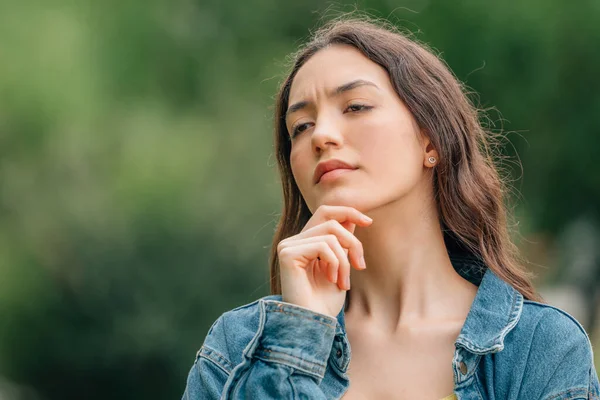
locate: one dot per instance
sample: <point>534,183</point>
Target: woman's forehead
<point>333,67</point>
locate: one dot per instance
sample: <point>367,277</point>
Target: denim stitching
<point>340,370</point>
<point>477,385</point>
<point>311,368</point>
<point>253,344</point>
<point>255,302</point>
<point>514,315</point>
<point>543,305</point>
<point>270,351</point>
<point>274,306</point>
<point>241,368</point>
<point>294,395</point>
<point>347,355</point>
<point>471,373</point>
<point>473,348</point>
<point>573,393</point>
<point>293,314</point>
<point>217,358</point>
<point>513,319</point>
<point>454,368</point>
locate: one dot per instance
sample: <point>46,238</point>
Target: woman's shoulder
<point>552,333</point>
<point>547,323</point>
<point>232,332</point>
<point>550,347</point>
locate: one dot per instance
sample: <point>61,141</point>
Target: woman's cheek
<point>299,167</point>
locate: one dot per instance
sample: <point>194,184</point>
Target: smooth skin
<point>320,285</point>
<point>406,308</point>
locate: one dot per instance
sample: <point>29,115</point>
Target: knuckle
<point>283,257</point>
<point>281,246</point>
<point>283,252</point>
<point>333,224</point>
<point>358,244</point>
<point>332,259</point>
<point>331,238</point>
<point>346,264</point>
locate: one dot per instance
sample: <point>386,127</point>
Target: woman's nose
<point>326,134</point>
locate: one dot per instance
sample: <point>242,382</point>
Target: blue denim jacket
<point>508,348</point>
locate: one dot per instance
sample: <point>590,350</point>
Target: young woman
<point>393,273</point>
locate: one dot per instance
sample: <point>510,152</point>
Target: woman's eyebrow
<point>335,92</point>
<point>296,107</point>
<point>352,85</point>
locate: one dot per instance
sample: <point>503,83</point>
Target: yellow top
<point>451,397</point>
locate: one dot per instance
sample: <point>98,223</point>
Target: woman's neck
<point>409,277</point>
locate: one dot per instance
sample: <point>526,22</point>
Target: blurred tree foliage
<point>137,186</point>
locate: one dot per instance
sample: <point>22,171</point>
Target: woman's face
<point>342,106</point>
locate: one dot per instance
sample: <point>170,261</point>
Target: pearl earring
<point>431,160</point>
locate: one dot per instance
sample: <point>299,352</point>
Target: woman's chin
<point>342,198</point>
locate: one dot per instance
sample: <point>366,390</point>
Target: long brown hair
<point>468,189</point>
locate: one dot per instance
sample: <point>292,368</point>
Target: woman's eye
<point>299,129</point>
<point>357,107</point>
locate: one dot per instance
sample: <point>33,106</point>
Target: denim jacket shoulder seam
<point>563,312</point>
<point>216,358</point>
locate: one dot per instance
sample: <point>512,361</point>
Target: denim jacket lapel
<point>495,312</point>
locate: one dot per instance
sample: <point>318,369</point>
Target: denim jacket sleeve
<point>567,370</point>
<point>285,359</point>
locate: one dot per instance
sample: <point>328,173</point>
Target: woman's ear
<point>431,157</point>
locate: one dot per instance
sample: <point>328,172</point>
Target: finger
<point>328,270</point>
<point>338,213</point>
<point>346,239</point>
<point>349,226</point>
<point>343,262</point>
<point>302,255</point>
<point>331,261</point>
<point>333,242</point>
<point>343,278</point>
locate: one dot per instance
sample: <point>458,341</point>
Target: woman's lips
<point>330,165</point>
<point>334,174</point>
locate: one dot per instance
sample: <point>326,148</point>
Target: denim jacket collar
<point>495,311</point>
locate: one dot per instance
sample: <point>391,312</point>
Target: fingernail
<point>366,218</point>
<point>347,283</point>
<point>362,263</point>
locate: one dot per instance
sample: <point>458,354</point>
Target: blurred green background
<point>138,190</point>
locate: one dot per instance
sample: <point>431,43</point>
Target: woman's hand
<point>315,264</point>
